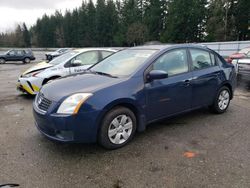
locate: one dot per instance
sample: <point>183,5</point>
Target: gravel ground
<point>197,149</point>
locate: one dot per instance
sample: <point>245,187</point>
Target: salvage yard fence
<point>223,48</point>
<point>227,48</point>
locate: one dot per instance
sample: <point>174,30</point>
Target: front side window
<point>12,53</point>
<point>201,59</point>
<point>106,54</point>
<point>173,62</point>
<point>88,58</point>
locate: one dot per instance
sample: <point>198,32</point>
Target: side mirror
<point>76,63</point>
<point>157,75</point>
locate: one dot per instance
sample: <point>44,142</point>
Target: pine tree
<point>26,36</point>
<point>154,18</point>
<point>185,21</point>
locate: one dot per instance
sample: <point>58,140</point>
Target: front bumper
<point>31,85</point>
<point>79,128</point>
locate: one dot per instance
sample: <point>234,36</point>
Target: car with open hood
<point>123,93</point>
<point>75,61</point>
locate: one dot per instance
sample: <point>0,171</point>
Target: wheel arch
<point>50,78</point>
<point>229,86</point>
<point>127,103</point>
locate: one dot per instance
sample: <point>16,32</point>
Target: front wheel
<point>118,128</point>
<point>2,61</point>
<point>222,100</point>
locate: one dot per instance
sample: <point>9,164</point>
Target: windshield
<point>63,58</point>
<point>123,63</point>
<point>7,52</point>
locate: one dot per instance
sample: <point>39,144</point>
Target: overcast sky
<point>13,12</point>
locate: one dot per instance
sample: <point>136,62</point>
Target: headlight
<point>72,104</point>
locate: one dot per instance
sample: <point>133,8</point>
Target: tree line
<point>134,22</point>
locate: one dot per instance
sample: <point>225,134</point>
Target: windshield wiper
<point>102,73</point>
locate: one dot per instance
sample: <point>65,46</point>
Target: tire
<point>26,60</point>
<point>2,61</point>
<point>49,57</point>
<point>113,134</point>
<point>221,101</point>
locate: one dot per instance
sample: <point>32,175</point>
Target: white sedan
<point>75,61</point>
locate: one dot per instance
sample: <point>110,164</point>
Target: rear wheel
<point>2,61</point>
<point>118,128</point>
<point>222,100</point>
<point>26,60</point>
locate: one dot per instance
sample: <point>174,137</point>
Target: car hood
<point>81,83</point>
<point>37,67</point>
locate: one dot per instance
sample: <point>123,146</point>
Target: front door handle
<point>187,82</point>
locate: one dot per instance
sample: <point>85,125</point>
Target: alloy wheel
<point>223,100</point>
<point>120,129</point>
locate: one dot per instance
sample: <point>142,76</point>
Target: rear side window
<point>201,59</point>
<point>173,62</point>
<point>106,54</point>
<point>19,52</point>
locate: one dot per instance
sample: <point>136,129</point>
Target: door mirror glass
<point>157,75</point>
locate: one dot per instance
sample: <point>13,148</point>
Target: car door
<point>173,94</point>
<point>19,55</point>
<point>206,77</point>
<point>83,61</point>
<point>11,55</point>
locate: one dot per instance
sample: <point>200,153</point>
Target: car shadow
<point>243,84</point>
<point>167,125</point>
<point>26,96</point>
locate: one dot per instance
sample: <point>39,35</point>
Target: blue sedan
<point>123,93</point>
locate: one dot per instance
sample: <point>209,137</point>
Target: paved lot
<point>219,147</point>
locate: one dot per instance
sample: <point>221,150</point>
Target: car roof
<point>80,50</point>
<point>166,46</point>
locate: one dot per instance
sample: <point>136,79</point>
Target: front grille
<point>43,103</point>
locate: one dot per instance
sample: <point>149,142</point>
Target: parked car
<point>245,52</point>
<point>52,55</point>
<point>17,55</point>
<point>75,61</point>
<point>130,89</point>
<point>242,68</point>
